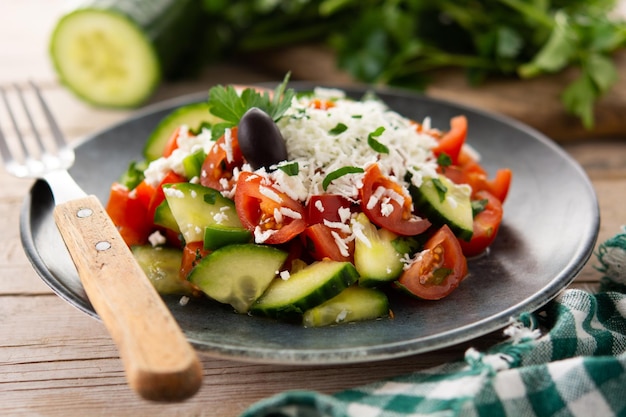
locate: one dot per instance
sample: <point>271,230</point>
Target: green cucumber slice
<point>216,236</point>
<point>352,304</point>
<point>163,217</point>
<point>192,115</point>
<point>195,207</point>
<point>376,260</point>
<point>305,289</point>
<point>114,53</point>
<point>162,267</point>
<point>237,274</point>
<point>444,202</point>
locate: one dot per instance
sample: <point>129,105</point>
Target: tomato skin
<point>172,143</point>
<point>217,169</point>
<point>451,142</point>
<point>129,214</point>
<point>319,241</point>
<point>400,220</point>
<point>256,209</point>
<point>486,225</point>
<point>193,252</point>
<point>443,255</point>
<point>331,203</point>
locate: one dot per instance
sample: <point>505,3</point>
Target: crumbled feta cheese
<point>156,239</point>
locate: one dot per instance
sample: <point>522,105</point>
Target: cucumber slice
<point>305,289</point>
<point>114,53</point>
<point>192,115</point>
<point>352,304</point>
<point>444,202</point>
<point>216,236</point>
<point>237,274</point>
<point>195,207</point>
<point>162,267</point>
<point>376,260</point>
<point>163,217</point>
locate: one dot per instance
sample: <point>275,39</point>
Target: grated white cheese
<point>156,239</point>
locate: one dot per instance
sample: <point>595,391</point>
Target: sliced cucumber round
<point>352,304</point>
<point>237,274</point>
<point>305,289</point>
<point>105,58</point>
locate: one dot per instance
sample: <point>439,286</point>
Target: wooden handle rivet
<point>84,212</point>
<point>103,245</point>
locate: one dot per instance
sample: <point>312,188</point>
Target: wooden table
<point>56,361</point>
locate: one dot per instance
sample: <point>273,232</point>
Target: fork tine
<point>6,152</point>
<point>58,136</point>
<point>4,147</point>
<point>42,147</point>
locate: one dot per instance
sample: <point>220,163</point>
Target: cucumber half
<point>237,274</point>
<point>305,289</point>
<point>105,58</point>
<point>352,304</point>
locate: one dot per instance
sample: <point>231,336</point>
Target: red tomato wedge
<point>452,141</point>
<point>193,252</point>
<point>486,225</point>
<point>319,241</point>
<point>260,205</point>
<point>217,168</point>
<point>326,207</point>
<point>387,204</point>
<point>129,214</point>
<point>439,270</point>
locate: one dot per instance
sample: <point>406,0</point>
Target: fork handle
<point>159,362</point>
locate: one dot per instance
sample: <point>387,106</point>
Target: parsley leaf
<point>330,177</point>
<point>291,169</point>
<point>340,128</point>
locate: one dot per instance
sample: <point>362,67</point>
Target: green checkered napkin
<point>569,359</point>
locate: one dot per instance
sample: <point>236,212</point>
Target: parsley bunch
<point>401,42</point>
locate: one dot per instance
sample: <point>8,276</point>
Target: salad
<point>306,207</point>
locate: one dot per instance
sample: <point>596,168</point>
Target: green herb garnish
<point>291,169</point>
<point>478,206</point>
<point>330,177</point>
<point>374,144</point>
<point>340,128</point>
<point>440,188</point>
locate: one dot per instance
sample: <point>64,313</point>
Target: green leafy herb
<point>228,104</point>
<point>444,160</point>
<point>478,206</point>
<point>291,169</point>
<point>330,177</point>
<point>134,174</point>
<point>211,196</point>
<point>340,128</point>
<point>440,188</point>
<point>374,144</point>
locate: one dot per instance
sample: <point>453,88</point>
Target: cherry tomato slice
<point>222,159</point>
<point>452,141</point>
<point>319,241</point>
<point>326,207</point>
<point>278,217</point>
<point>129,214</point>
<point>486,225</point>
<point>387,204</point>
<point>440,269</point>
<point>193,252</point>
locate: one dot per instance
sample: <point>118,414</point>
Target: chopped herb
<point>479,206</point>
<point>374,144</point>
<point>291,169</point>
<point>357,116</point>
<point>444,160</point>
<point>441,189</point>
<point>211,196</point>
<point>330,177</point>
<point>340,128</point>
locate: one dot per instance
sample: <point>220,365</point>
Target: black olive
<point>260,140</point>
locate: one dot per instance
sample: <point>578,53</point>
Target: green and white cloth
<point>568,359</point>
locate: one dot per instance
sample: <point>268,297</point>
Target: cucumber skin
<point>162,267</point>
<point>356,303</point>
<point>169,27</point>
<point>425,207</point>
<point>292,311</point>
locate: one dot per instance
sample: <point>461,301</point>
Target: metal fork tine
<point>4,147</point>
<point>59,138</point>
<point>33,126</point>
<point>16,127</point>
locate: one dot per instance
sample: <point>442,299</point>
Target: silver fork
<point>159,362</point>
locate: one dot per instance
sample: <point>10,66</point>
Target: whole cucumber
<point>114,53</point>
